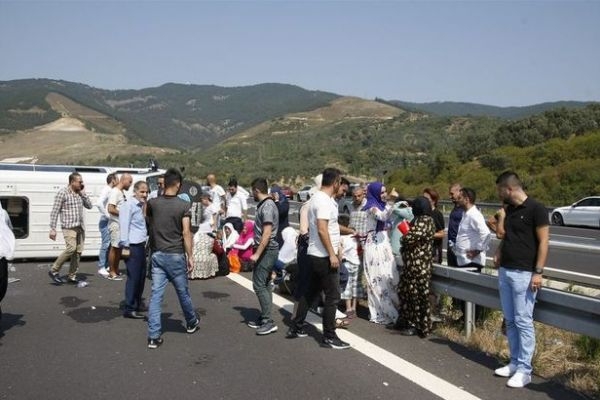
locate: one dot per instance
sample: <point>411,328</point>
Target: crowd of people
<point>383,251</point>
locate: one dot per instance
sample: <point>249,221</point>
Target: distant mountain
<point>456,109</point>
<point>172,115</point>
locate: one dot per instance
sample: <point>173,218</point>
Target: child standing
<point>350,262</point>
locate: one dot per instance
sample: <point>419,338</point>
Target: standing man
<point>69,203</point>
<point>521,258</point>
<point>101,204</point>
<point>132,229</point>
<point>266,250</point>
<point>170,228</point>
<point>7,250</point>
<point>473,236</point>
<point>324,239</point>
<point>453,221</point>
<point>115,200</point>
<point>237,207</point>
<point>160,182</point>
<point>217,194</point>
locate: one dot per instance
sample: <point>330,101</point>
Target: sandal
<point>342,323</point>
<point>351,314</point>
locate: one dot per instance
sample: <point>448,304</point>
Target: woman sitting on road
<point>205,261</point>
<point>243,247</point>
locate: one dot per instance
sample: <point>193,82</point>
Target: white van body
<point>27,193</point>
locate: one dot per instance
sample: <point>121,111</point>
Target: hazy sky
<point>500,53</point>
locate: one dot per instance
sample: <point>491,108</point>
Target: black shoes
<point>335,343</point>
<point>133,315</point>
<point>155,343</point>
<point>294,333</point>
<point>191,328</point>
<point>55,277</point>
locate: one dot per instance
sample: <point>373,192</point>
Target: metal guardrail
<point>569,311</point>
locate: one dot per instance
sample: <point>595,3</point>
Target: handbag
<point>218,248</point>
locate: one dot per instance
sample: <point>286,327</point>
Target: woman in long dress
<point>205,261</point>
<point>417,252</point>
<point>379,265</point>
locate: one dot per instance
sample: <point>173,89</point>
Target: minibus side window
<point>18,211</point>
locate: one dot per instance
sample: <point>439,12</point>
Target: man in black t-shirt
<point>170,229</point>
<point>521,257</point>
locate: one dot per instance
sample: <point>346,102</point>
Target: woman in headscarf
<point>229,236</point>
<point>205,261</point>
<point>7,250</point>
<point>243,247</point>
<point>283,206</point>
<point>417,253</point>
<point>378,260</point>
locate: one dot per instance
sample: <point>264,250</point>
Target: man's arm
<point>87,203</point>
<point>58,202</point>
<point>264,241</point>
<point>124,223</point>
<point>188,241</point>
<point>323,230</point>
<point>543,235</point>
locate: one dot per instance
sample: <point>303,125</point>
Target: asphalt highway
<point>65,342</point>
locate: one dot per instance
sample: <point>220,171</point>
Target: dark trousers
<point>3,279</point>
<point>451,257</point>
<point>136,277</point>
<point>303,275</point>
<point>326,279</point>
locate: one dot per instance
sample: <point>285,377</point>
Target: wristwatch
<point>539,270</point>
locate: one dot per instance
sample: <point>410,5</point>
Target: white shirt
<point>350,249</point>
<point>473,234</point>
<point>102,202</point>
<point>322,206</point>
<point>216,193</point>
<point>116,197</point>
<point>206,226</point>
<point>288,251</point>
<point>236,205</point>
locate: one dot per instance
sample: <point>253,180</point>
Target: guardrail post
<point>469,318</point>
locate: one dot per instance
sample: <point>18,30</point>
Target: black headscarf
<point>420,206</point>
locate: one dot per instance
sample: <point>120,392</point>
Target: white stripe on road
<point>413,373</point>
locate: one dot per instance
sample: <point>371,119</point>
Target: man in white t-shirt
<point>323,242</point>
<point>473,236</point>
<point>115,199</point>
<point>101,204</point>
<point>237,207</point>
<point>217,195</point>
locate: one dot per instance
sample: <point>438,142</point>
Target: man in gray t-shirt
<point>265,254</point>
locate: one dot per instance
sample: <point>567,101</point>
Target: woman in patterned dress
<point>380,270</point>
<point>205,261</point>
<point>417,253</point>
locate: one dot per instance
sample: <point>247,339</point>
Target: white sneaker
<point>507,371</point>
<point>103,272</point>
<point>519,380</point>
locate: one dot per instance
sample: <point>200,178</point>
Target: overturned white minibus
<point>27,193</point>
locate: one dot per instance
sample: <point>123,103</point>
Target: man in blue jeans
<point>170,228</point>
<point>521,257</point>
<point>101,204</point>
<point>266,250</point>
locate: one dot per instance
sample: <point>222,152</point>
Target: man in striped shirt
<point>69,203</point>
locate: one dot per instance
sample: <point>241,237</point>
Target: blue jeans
<point>517,301</point>
<point>136,277</point>
<point>260,281</point>
<point>105,235</point>
<point>168,267</point>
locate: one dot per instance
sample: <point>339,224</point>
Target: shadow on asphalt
<point>215,295</point>
<point>248,314</point>
<point>9,321</point>
<point>71,301</point>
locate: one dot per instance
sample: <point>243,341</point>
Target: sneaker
<point>154,343</point>
<point>255,324</point>
<point>266,328</point>
<point>114,278</point>
<point>335,343</point>
<point>103,272</point>
<point>293,333</point>
<point>519,380</point>
<point>55,277</point>
<point>507,371</point>
<point>73,281</point>
<point>191,328</point>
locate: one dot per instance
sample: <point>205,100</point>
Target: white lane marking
<point>413,373</point>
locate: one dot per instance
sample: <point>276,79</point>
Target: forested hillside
<point>173,115</point>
